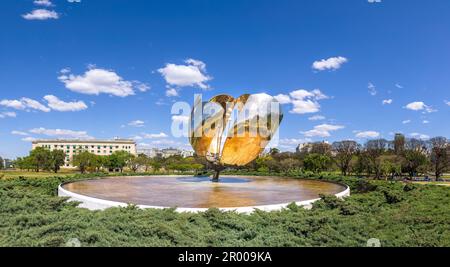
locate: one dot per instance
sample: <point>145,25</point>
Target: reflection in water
<point>199,192</point>
<point>225,180</point>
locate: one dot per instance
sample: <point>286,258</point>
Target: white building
<point>165,153</point>
<point>97,147</point>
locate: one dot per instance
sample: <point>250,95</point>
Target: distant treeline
<point>379,158</point>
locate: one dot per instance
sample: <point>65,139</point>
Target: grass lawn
<point>8,174</point>
<point>433,183</point>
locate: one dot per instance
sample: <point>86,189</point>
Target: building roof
<point>88,141</point>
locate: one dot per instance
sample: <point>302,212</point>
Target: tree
<point>316,162</point>
<point>290,164</point>
<point>83,160</point>
<point>413,160</point>
<point>136,162</point>
<point>147,163</point>
<point>156,164</point>
<point>41,158</point>
<point>274,151</point>
<point>2,166</point>
<point>415,144</point>
<point>363,164</point>
<point>321,148</point>
<point>25,163</point>
<point>375,148</point>
<point>399,144</point>
<point>57,159</point>
<point>345,151</point>
<point>98,162</point>
<point>390,166</point>
<point>439,155</point>
<point>119,159</point>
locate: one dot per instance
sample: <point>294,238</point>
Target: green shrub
<point>31,214</point>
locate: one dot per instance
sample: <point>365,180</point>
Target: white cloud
<point>24,104</point>
<point>163,142</point>
<point>97,81</point>
<point>74,1</point>
<point>28,139</point>
<point>283,99</point>
<point>447,102</point>
<point>416,106</point>
<point>200,64</point>
<point>406,121</point>
<point>303,101</point>
<point>142,87</point>
<point>372,89</point>
<point>59,105</point>
<point>41,14</point>
<point>180,118</point>
<point>46,3</point>
<point>136,123</point>
<point>332,63</point>
<point>293,141</point>
<point>19,133</point>
<point>61,133</point>
<point>387,101</point>
<point>33,104</point>
<point>374,1</point>
<point>322,130</point>
<point>399,86</point>
<point>160,102</point>
<point>367,134</point>
<point>419,105</point>
<point>191,74</point>
<point>425,121</point>
<point>16,104</point>
<point>316,118</point>
<point>155,136</point>
<point>420,136</point>
<point>304,94</point>
<point>305,106</point>
<point>53,103</point>
<point>171,92</point>
<point>7,114</point>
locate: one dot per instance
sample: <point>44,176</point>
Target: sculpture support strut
<point>217,169</point>
<point>216,176</point>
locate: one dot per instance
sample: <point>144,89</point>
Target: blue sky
<point>105,69</point>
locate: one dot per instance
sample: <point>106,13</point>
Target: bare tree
<point>399,144</point>
<point>415,144</point>
<point>439,155</point>
<point>375,148</point>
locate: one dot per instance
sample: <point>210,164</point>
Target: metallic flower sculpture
<point>229,131</point>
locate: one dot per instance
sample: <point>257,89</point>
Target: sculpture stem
<point>215,178</point>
